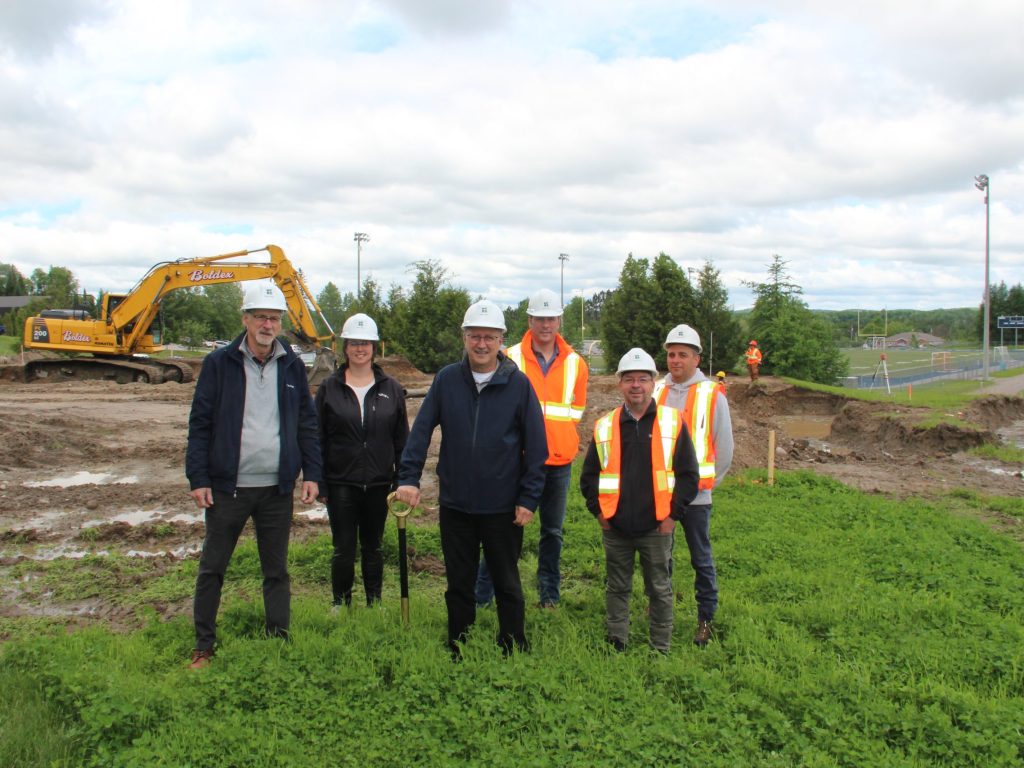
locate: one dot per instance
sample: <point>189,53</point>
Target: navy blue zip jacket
<point>215,423</point>
<point>493,445</point>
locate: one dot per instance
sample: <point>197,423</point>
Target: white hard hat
<point>544,303</point>
<point>360,327</point>
<point>637,360</point>
<point>263,294</point>
<point>683,334</point>
<point>484,314</point>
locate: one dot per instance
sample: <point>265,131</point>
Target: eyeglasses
<point>261,319</point>
<point>481,338</point>
<point>631,380</point>
<point>358,343</point>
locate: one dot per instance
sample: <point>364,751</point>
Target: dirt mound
<point>407,374</point>
<point>860,426</point>
<point>995,411</point>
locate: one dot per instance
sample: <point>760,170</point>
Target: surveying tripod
<point>884,370</point>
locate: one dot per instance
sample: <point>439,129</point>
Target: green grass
<point>1007,453</point>
<point>854,630</point>
<point>10,345</point>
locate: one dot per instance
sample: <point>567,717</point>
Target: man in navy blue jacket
<point>490,472</point>
<point>251,431</point>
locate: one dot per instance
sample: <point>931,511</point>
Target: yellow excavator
<point>130,326</point>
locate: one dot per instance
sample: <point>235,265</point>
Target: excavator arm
<point>133,316</point>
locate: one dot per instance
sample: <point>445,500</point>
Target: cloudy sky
<point>493,135</point>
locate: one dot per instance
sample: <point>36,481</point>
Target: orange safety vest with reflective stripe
<point>699,415</point>
<point>753,356</point>
<point>562,394</point>
<point>668,423</point>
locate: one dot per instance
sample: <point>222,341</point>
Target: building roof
<point>7,303</point>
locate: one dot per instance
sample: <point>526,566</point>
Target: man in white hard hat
<point>490,472</point>
<point>639,474</point>
<point>251,432</point>
<point>559,377</point>
<point>706,410</point>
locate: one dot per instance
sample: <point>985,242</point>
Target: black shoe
<point>618,645</point>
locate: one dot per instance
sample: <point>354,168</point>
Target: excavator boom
<point>128,327</point>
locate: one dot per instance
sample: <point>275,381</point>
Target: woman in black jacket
<point>363,428</point>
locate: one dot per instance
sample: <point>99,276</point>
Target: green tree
<point>794,342</point>
<point>427,322</point>
<point>12,282</point>
<point>331,305</point>
<point>516,322</point>
<point>720,332</point>
<point>641,309</point>
<point>59,284</point>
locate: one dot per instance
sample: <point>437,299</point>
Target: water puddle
<point>72,553</point>
<point>1013,434</point>
<point>806,427</point>
<point>83,478</point>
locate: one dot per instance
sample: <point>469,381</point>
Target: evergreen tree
<point>629,316</point>
<point>516,322</point>
<point>720,332</point>
<point>12,282</point>
<point>794,342</point>
<point>329,300</point>
<point>427,323</point>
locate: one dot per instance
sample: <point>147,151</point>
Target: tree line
<point>420,320</point>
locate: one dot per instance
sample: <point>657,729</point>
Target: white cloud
<point>494,136</point>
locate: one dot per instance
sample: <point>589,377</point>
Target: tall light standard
<point>981,182</point>
<point>562,257</point>
<point>360,238</point>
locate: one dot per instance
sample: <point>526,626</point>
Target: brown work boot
<point>705,629</point>
<point>201,658</point>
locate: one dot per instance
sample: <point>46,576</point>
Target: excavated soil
<point>95,467</point>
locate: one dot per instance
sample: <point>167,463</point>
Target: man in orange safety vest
<point>753,359</point>
<point>638,477</point>
<point>559,377</point>
<point>706,412</point>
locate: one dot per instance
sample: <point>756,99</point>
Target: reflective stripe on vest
<point>667,425</point>
<point>699,415</point>
<point>556,410</point>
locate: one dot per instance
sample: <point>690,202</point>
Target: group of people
<point>508,421</point>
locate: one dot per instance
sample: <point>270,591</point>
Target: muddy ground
<point>98,467</point>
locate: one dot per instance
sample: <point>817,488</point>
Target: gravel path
<point>1010,387</point>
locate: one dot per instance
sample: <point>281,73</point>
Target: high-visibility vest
<point>699,414</point>
<point>753,356</point>
<point>562,394</point>
<point>668,423</point>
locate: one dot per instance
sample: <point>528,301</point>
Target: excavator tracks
<point>96,369</point>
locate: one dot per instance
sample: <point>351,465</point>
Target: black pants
<point>461,538</point>
<point>271,514</point>
<point>357,513</point>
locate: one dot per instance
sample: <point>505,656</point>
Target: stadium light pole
<point>562,257</point>
<point>981,182</point>
<point>360,238</point>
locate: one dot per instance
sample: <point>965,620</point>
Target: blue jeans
<point>697,527</point>
<point>549,550</point>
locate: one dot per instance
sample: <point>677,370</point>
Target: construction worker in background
<point>753,355</point>
<point>639,474</point>
<point>721,378</point>
<point>490,473</point>
<point>559,377</point>
<point>705,410</point>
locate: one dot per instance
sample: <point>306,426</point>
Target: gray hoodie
<point>721,434</point>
